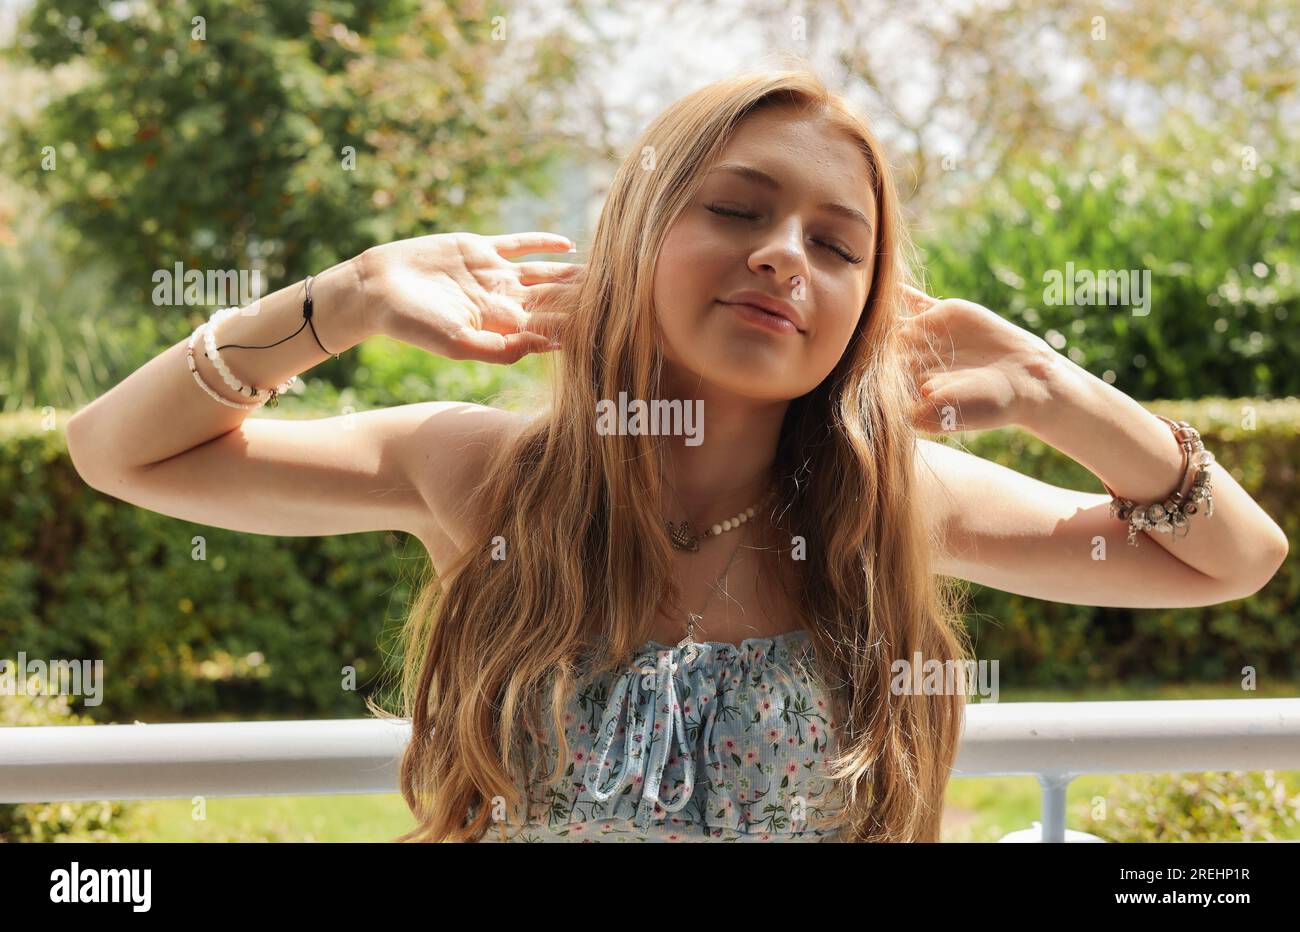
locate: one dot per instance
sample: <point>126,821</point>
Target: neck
<point>732,468</point>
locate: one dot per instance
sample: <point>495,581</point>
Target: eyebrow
<point>763,178</point>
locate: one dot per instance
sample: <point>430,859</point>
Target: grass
<point>377,818</point>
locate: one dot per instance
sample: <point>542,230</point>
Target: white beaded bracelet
<point>194,371</point>
<point>262,396</point>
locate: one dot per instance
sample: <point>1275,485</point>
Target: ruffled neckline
<point>798,635</point>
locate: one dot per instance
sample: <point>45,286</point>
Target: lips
<point>774,323</point>
<point>769,304</point>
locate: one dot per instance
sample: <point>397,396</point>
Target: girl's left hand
<point>975,369</point>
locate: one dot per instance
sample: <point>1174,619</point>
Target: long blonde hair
<point>488,650</point>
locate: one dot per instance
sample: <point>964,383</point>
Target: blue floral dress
<point>720,743</point>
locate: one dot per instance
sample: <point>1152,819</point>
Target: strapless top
<point>721,742</point>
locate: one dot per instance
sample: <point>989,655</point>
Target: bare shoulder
<point>445,448</point>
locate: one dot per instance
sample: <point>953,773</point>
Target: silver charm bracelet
<point>1172,514</point>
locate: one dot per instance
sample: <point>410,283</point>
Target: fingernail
<point>554,346</point>
<point>572,246</point>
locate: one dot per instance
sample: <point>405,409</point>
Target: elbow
<point>1272,560</point>
<point>73,440</point>
<point>1283,547</point>
<point>1281,550</point>
<point>1278,552</point>
<point>81,450</point>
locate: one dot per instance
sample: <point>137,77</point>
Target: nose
<point>781,253</point>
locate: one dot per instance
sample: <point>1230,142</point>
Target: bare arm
<point>159,441</point>
<point>159,411</point>
<point>976,370</point>
<point>1118,440</point>
<point>1019,534</point>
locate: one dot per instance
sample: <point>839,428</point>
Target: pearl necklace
<point>684,537</point>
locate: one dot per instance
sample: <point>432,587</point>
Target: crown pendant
<point>683,536</point>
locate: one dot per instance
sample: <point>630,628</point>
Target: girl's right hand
<point>458,294</point>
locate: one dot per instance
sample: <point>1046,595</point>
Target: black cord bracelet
<point>308,308</point>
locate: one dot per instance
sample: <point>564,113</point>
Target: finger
<point>548,308</point>
<point>936,412</point>
<point>536,273</point>
<point>541,311</point>
<point>503,348</point>
<point>509,299</point>
<point>922,346</point>
<point>522,244</point>
<point>929,418</point>
<point>916,300</point>
<point>550,324</point>
<point>949,402</point>
<point>549,296</point>
<point>503,312</point>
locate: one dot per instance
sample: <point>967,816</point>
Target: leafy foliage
<point>280,137</point>
<point>1219,240</point>
<point>230,626</point>
<point>1230,806</point>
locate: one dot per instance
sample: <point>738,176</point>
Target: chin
<point>749,378</point>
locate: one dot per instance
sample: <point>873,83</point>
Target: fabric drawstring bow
<point>625,698</point>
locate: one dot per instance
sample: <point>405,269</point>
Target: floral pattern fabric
<point>715,742</point>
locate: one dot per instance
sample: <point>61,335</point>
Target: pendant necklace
<point>684,537</point>
<point>689,643</point>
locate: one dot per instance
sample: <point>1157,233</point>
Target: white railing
<point>1054,741</point>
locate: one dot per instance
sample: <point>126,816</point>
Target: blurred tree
<point>55,350</point>
<point>957,90</point>
<point>283,136</point>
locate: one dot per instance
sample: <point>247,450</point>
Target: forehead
<point>801,151</point>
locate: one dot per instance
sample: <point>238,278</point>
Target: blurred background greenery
<point>286,136</point>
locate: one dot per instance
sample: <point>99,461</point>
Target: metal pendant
<point>691,618</point>
<point>688,643</point>
<point>683,536</point>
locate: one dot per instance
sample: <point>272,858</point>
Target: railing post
<point>1054,787</point>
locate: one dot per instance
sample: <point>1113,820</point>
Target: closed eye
<point>729,212</point>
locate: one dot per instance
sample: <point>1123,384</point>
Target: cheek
<point>684,275</point>
<point>838,319</point>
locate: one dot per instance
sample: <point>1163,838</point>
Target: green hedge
<point>261,628</point>
<point>264,626</point>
